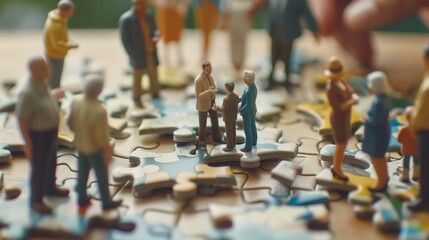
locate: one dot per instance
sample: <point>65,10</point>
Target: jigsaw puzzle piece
<point>272,222</point>
<point>265,151</point>
<point>178,170</point>
<point>320,112</point>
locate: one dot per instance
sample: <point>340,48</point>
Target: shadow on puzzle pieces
<point>169,77</point>
<point>271,222</point>
<point>319,114</point>
<point>144,230</point>
<point>163,108</point>
<point>395,125</point>
<point>67,219</point>
<point>179,170</point>
<point>8,101</point>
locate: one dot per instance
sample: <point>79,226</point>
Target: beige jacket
<point>88,121</point>
<point>202,93</point>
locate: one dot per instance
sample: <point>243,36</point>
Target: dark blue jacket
<point>248,101</point>
<point>133,40</point>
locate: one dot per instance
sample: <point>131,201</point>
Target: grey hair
<point>93,85</point>
<point>377,82</point>
<point>65,5</point>
<point>205,64</point>
<point>249,75</point>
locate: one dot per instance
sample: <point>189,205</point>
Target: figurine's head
<point>207,67</point>
<point>335,68</point>
<point>229,87</point>
<point>140,6</point>
<point>377,82</point>
<point>409,113</point>
<point>93,85</point>
<point>426,56</point>
<point>66,8</point>
<point>248,77</point>
<point>39,69</point>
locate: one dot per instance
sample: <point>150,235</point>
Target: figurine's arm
<point>58,43</point>
<point>421,110</point>
<point>70,121</point>
<point>380,114</point>
<point>308,16</point>
<point>103,136</point>
<point>125,36</point>
<point>23,125</point>
<point>201,93</point>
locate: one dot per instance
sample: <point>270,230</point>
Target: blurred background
<point>30,14</point>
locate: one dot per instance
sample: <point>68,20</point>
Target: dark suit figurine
<point>230,110</point>
<point>248,110</point>
<point>139,35</point>
<point>284,26</point>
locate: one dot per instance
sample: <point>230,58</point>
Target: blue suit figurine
<point>248,110</point>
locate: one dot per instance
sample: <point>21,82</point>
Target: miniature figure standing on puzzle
<point>407,138</point>
<point>205,93</point>
<point>88,120</point>
<point>420,125</point>
<point>38,117</point>
<point>284,26</point>
<point>229,109</point>
<point>57,43</point>
<point>341,99</point>
<point>377,129</point>
<point>248,110</point>
<point>139,35</point>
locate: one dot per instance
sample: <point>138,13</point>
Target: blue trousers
<point>406,162</point>
<point>96,161</point>
<point>249,123</point>
<point>56,66</point>
<point>43,163</point>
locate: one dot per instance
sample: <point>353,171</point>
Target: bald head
<point>39,69</point>
<point>66,8</point>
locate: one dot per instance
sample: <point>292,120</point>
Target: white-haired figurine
<point>248,110</point>
<point>88,121</point>
<point>377,129</point>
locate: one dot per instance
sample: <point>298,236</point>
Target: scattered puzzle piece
<point>178,170</point>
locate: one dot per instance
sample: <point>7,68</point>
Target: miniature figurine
<point>407,138</point>
<point>139,35</point>
<point>88,121</point>
<point>170,16</point>
<point>230,110</point>
<point>377,129</point>
<point>38,117</point>
<point>341,99</point>
<point>284,26</point>
<point>420,125</point>
<point>206,14</point>
<point>205,92</point>
<point>57,43</point>
<point>248,110</point>
<point>236,20</point>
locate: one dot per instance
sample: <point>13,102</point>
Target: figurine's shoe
<point>337,176</point>
<point>246,149</point>
<point>418,205</point>
<point>112,205</point>
<point>41,207</point>
<point>58,192</point>
<point>227,149</point>
<point>84,203</point>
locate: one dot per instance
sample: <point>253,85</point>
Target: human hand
<point>350,21</point>
<point>215,108</point>
<point>213,89</point>
<point>74,45</point>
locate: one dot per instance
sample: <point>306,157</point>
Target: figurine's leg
<point>338,158</point>
<point>286,53</point>
<point>82,178</point>
<point>275,56</point>
<point>152,71</point>
<point>234,135</point>
<point>215,126</point>
<point>405,169</point>
<point>38,166</point>
<point>202,118</point>
<point>230,138</point>
<point>254,131</point>
<point>100,169</point>
<point>380,167</point>
<point>137,86</point>
<point>56,65</point>
<point>248,131</point>
<point>51,164</point>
